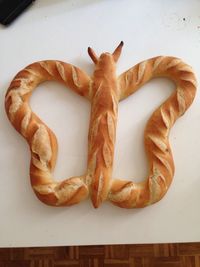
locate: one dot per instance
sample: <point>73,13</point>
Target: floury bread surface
<point>104,90</point>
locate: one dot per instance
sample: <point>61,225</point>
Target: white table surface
<point>63,30</point>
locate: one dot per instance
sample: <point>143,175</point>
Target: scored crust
<point>104,90</point>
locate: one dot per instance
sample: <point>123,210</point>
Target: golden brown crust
<point>41,139</point>
<point>104,90</point>
<point>156,136</point>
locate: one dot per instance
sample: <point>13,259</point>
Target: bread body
<point>104,90</point>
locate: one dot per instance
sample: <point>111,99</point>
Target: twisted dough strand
<point>42,141</point>
<point>128,194</point>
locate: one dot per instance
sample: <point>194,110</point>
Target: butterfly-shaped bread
<point>104,90</point>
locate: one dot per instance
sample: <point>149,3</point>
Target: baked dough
<point>104,90</point>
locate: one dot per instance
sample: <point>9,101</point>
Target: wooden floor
<point>173,255</point>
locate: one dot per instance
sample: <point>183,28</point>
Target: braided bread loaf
<point>104,90</point>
